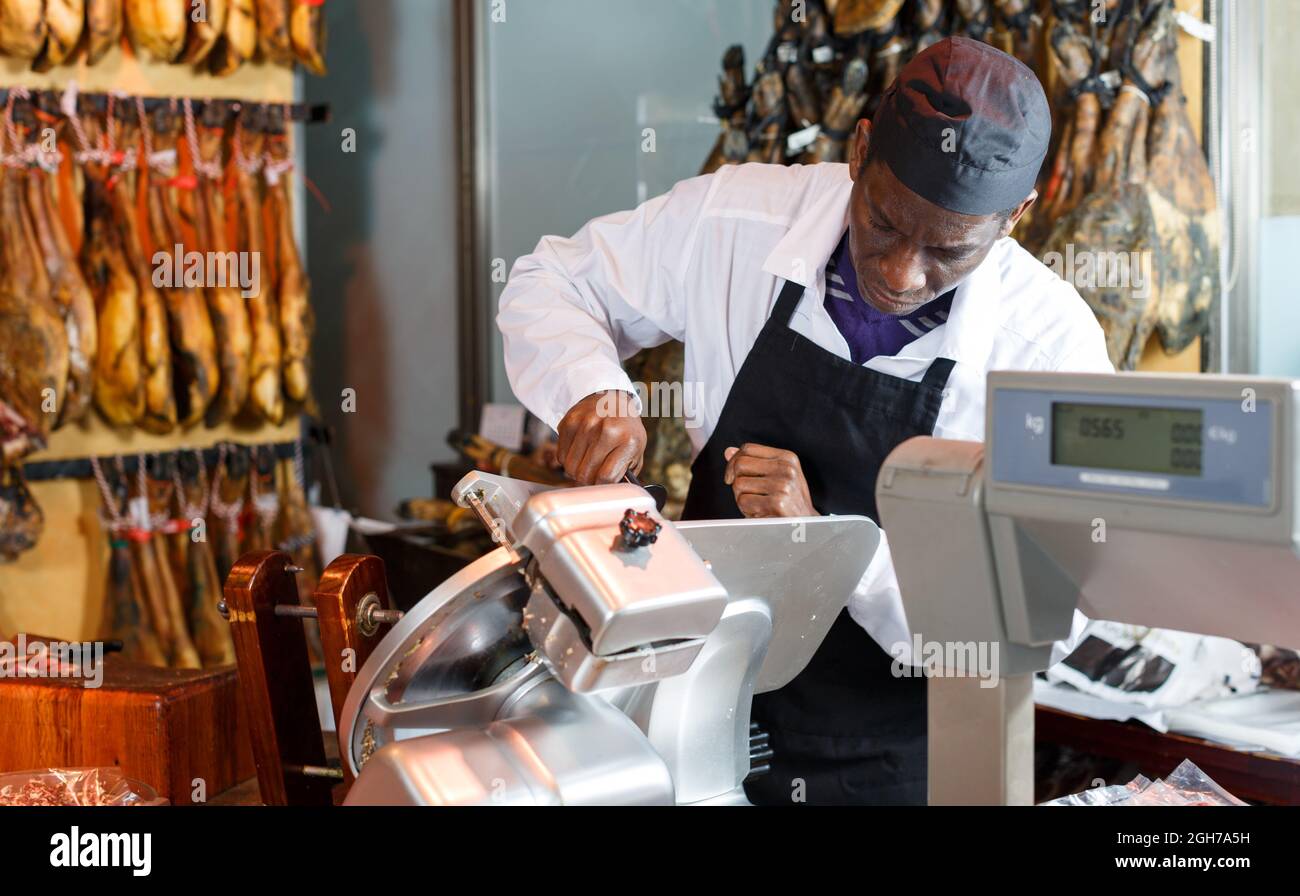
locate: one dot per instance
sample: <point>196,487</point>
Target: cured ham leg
<point>212,635</point>
<point>119,371</point>
<point>295,534</point>
<point>770,110</point>
<point>67,286</point>
<point>194,345</point>
<point>157,27</point>
<point>308,33</point>
<point>1073,52</point>
<point>976,18</point>
<point>842,113</point>
<point>857,16</point>
<point>297,321</point>
<point>65,20</point>
<point>104,22</point>
<point>204,34</point>
<point>125,619</point>
<point>239,42</point>
<point>226,306</point>
<point>273,31</point>
<point>23,30</point>
<point>1116,224</point>
<point>155,344</point>
<point>159,493</point>
<point>33,340</point>
<point>266,397</point>
<point>1024,25</point>
<point>928,20</point>
<point>229,488</point>
<point>733,143</point>
<point>1186,215</point>
<point>21,519</point>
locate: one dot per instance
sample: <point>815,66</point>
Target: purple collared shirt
<point>871,333</point>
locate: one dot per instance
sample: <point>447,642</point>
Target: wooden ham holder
<point>275,679</point>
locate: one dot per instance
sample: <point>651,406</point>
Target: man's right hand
<point>601,438</point>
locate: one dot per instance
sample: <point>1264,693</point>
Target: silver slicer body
<point>577,664</point>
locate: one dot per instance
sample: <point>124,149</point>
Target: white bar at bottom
<point>1121,480</point>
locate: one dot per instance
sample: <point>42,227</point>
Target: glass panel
<point>1279,305</point>
<point>572,87</point>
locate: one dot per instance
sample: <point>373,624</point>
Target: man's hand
<point>601,438</point>
<point>767,482</point>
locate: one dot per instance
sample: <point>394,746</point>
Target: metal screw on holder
<point>638,529</point>
<point>371,615</point>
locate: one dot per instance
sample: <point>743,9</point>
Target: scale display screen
<point>1128,437</point>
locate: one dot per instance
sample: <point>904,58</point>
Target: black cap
<point>965,126</point>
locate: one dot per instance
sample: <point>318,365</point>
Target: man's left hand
<point>767,482</point>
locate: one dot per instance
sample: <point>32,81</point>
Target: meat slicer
<point>602,654</point>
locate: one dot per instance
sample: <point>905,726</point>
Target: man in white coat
<point>829,313</point>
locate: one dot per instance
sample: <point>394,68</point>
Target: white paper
<point>797,141</point>
<point>1197,28</point>
<point>331,532</point>
<point>503,424</point>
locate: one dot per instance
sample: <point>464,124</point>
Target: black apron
<point>846,731</point>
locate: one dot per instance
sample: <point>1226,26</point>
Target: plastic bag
<point>1156,667</point>
<point>1186,785</point>
<point>75,787</point>
<point>1103,796</point>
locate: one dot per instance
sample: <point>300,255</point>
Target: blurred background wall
<point>383,262</point>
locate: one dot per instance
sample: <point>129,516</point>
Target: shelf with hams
<point>100,195</point>
<point>125,179</point>
<point>219,37</point>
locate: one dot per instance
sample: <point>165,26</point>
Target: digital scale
<point>1157,500</point>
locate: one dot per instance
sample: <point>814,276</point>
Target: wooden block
<point>165,727</point>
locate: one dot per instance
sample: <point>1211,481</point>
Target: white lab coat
<point>704,264</point>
